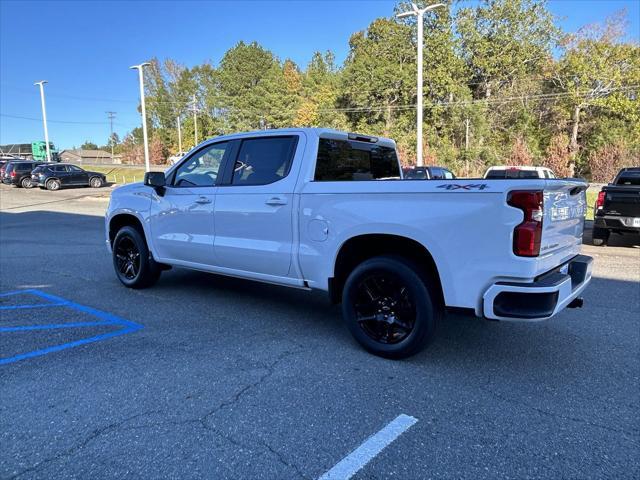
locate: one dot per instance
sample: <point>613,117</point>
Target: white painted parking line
<point>366,452</point>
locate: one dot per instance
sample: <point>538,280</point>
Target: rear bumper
<point>542,298</point>
<point>612,222</point>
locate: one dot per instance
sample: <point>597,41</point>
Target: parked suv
<point>53,177</point>
<point>19,174</point>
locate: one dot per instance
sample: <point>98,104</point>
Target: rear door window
<point>265,160</point>
<point>346,160</point>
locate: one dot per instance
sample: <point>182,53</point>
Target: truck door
<point>254,207</point>
<point>181,222</point>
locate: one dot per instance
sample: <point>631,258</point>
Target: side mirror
<point>156,180</point>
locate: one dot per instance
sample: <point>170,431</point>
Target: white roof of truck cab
<point>319,132</point>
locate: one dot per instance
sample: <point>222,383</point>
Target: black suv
<point>53,177</point>
<point>19,174</point>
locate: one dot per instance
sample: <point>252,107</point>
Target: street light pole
<point>419,13</point>
<point>144,113</point>
<point>179,136</point>
<point>44,118</point>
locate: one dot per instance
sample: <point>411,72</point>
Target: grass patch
<point>119,174</point>
<point>591,201</point>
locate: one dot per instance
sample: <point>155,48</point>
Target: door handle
<point>276,201</point>
<point>203,200</point>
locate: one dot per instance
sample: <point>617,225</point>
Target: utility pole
<point>179,136</point>
<point>111,116</point>
<point>466,145</point>
<point>419,13</point>
<point>195,121</point>
<point>44,118</point>
<point>144,113</point>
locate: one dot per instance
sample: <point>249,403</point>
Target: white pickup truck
<point>328,210</point>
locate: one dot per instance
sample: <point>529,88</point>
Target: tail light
<point>13,174</point>
<point>600,200</point>
<point>527,235</point>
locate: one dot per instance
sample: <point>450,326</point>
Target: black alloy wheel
<point>128,258</point>
<point>132,261</point>
<point>385,309</point>
<point>391,306</point>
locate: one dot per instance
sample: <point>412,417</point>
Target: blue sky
<point>84,50</point>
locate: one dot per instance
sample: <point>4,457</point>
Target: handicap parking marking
<point>104,319</point>
<point>367,451</point>
<point>52,300</point>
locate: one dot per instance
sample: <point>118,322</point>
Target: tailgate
<point>622,201</point>
<point>565,206</point>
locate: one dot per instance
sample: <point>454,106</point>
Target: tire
<point>95,182</point>
<point>600,237</point>
<point>132,261</point>
<point>53,185</point>
<point>390,307</point>
<point>26,182</point>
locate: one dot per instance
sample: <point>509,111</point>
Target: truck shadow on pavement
<point>308,318</point>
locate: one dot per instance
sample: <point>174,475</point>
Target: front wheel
<point>95,182</point>
<point>132,261</point>
<point>390,307</point>
<point>26,182</point>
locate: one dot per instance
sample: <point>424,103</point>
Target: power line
<point>53,121</point>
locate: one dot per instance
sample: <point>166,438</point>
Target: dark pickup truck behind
<point>617,208</point>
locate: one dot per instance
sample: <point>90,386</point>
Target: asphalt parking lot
<point>212,377</point>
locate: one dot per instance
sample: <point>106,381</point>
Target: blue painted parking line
<point>35,305</point>
<point>104,319</point>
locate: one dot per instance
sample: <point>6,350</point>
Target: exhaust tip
<point>576,303</point>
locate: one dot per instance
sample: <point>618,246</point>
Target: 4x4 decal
<point>470,186</point>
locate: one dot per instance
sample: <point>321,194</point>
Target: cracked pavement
<point>232,379</point>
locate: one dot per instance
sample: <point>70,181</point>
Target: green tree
<point>87,145</point>
<point>599,75</point>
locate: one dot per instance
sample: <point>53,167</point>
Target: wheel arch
<point>361,247</point>
<point>125,219</point>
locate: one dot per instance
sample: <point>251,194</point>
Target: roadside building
<point>89,157</point>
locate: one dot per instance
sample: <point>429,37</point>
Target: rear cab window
<point>629,178</point>
<point>351,160</point>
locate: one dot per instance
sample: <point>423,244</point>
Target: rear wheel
<point>132,261</point>
<point>390,307</point>
<point>600,237</point>
<point>26,182</point>
<point>53,185</point>
<point>95,182</point>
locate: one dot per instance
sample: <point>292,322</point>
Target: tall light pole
<point>419,13</point>
<point>179,136</point>
<point>44,118</point>
<point>144,113</point>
